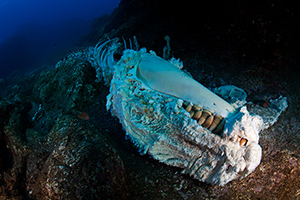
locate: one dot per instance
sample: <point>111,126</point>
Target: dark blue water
<point>33,30</point>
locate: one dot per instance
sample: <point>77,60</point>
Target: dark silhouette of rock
<point>49,149</point>
<point>74,162</point>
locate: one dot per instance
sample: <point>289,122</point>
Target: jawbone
<point>179,122</point>
<point>162,76</point>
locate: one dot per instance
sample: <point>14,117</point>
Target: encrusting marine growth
<point>177,120</point>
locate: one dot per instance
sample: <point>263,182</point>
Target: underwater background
<point>58,141</point>
<point>33,31</point>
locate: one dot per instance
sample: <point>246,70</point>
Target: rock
<point>13,122</point>
<point>68,88</point>
<point>49,147</point>
<point>77,164</point>
<point>73,161</point>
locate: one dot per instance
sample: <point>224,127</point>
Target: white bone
<point>162,76</point>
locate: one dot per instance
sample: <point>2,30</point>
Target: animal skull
<point>178,121</point>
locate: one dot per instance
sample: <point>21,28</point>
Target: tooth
<point>197,115</point>
<point>188,108</point>
<point>207,111</point>
<point>208,121</point>
<point>203,117</point>
<point>192,113</point>
<point>219,129</point>
<point>217,120</point>
<point>243,142</point>
<point>185,104</point>
<point>196,107</point>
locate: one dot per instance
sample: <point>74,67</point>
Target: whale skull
<point>169,115</point>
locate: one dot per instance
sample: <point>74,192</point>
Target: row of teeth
<point>214,123</point>
<point>205,118</point>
